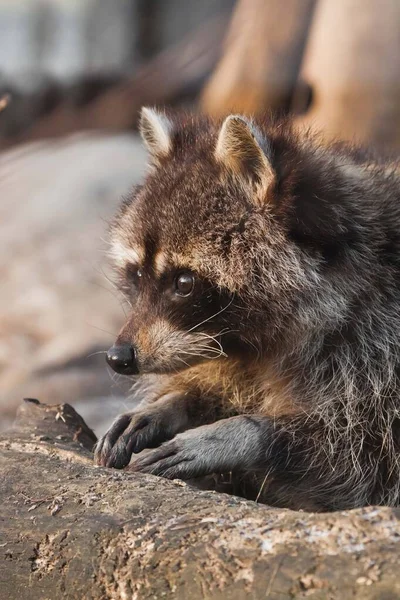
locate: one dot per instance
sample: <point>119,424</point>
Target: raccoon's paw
<point>145,428</point>
<point>230,444</point>
<point>177,459</point>
<point>130,433</point>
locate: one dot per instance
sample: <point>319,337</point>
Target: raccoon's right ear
<point>155,129</point>
<point>240,149</point>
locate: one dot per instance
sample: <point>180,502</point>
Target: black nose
<point>122,359</point>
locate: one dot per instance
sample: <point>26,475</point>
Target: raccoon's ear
<point>155,129</point>
<point>239,148</point>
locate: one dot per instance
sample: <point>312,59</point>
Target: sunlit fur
<point>309,278</point>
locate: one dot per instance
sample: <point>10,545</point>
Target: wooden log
<point>262,57</point>
<point>352,65</point>
<point>69,530</point>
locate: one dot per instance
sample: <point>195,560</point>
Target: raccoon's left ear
<point>155,129</point>
<point>240,149</point>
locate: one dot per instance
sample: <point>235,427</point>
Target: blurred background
<point>73,76</point>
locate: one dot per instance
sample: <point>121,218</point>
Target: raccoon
<point>263,273</point>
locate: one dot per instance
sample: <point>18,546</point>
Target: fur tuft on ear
<point>155,129</point>
<point>239,149</point>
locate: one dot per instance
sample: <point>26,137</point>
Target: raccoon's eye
<point>133,274</point>
<point>184,284</point>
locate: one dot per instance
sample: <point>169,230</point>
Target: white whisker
<point>212,316</point>
<point>95,353</point>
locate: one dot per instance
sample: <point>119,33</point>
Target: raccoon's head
<point>201,256</point>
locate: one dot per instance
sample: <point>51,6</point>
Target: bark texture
<point>71,530</point>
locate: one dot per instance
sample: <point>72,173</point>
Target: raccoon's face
<point>184,246</point>
<point>177,320</point>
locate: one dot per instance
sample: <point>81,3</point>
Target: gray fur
<point>228,445</point>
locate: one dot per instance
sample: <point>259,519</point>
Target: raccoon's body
<point>264,276</point>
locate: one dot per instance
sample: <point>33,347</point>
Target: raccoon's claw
<point>130,434</point>
<point>104,446</point>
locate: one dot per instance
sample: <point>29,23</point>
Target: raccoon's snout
<point>122,359</point>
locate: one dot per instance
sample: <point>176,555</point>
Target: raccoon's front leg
<point>150,425</point>
<point>237,443</point>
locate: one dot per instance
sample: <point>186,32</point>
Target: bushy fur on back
<point>296,318</point>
